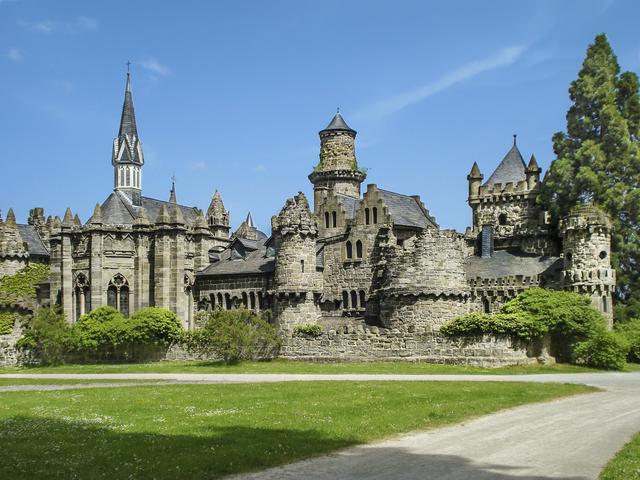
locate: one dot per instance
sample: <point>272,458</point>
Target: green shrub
<point>602,349</point>
<point>310,329</point>
<point>155,326</point>
<point>22,284</point>
<point>233,335</point>
<point>104,334</point>
<point>630,330</point>
<point>568,318</point>
<point>49,335</point>
<point>7,319</point>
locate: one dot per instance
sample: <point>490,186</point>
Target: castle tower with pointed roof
<point>338,169</point>
<point>505,211</point>
<point>127,157</point>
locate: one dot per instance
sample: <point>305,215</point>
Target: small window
<point>375,215</point>
<point>366,216</point>
<point>363,301</point>
<point>334,218</point>
<point>302,265</point>
<point>326,219</point>
<point>603,255</point>
<point>349,248</point>
<point>569,256</point>
<point>605,304</point>
<point>359,249</point>
<point>486,305</point>
<point>354,299</point>
<point>345,299</point>
<point>502,219</point>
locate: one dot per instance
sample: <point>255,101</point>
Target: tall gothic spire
<point>128,118</point>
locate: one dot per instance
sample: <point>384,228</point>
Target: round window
<point>603,255</point>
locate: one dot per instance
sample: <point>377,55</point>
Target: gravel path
<point>570,439</point>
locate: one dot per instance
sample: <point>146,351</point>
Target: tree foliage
<point>234,335</point>
<point>598,159</point>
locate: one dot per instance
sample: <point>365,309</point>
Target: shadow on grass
<point>40,448</point>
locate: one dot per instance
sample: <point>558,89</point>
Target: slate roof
<point>406,211</point>
<point>350,204</point>
<point>128,118</point>
<point>338,123</point>
<point>505,264</point>
<point>255,261</point>
<point>511,168</point>
<point>117,209</point>
<point>35,245</point>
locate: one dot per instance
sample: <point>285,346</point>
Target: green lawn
<point>291,366</point>
<point>626,464</point>
<point>206,431</point>
<point>65,381</point>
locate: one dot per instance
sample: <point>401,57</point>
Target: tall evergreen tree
<point>598,159</point>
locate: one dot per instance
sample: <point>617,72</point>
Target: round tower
<point>586,234</point>
<point>296,280</point>
<point>338,167</point>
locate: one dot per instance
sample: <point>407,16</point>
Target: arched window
<point>502,219</point>
<point>345,299</point>
<point>252,300</point>
<point>363,300</point>
<point>349,248</point>
<point>128,177</point>
<point>245,301</point>
<point>326,219</point>
<point>213,301</point>
<point>121,177</point>
<point>118,294</point>
<point>375,215</point>
<point>227,301</point>
<point>354,299</point>
<point>367,220</point>
<point>486,305</point>
<point>359,249</point>
<point>334,218</point>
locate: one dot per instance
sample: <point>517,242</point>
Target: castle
<point>373,269</point>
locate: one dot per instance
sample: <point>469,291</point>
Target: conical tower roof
<point>128,118</point>
<point>337,123</point>
<point>511,168</point>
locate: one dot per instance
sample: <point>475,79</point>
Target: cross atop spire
<point>172,196</point>
<point>515,135</point>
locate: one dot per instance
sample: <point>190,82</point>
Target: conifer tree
<point>598,160</point>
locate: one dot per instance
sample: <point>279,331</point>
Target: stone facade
<point>374,270</point>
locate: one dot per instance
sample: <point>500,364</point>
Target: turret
<point>127,157</point>
<point>218,217</point>
<point>533,173</point>
<point>13,254</point>
<point>475,180</point>
<point>296,279</point>
<point>338,167</point>
<point>586,234</point>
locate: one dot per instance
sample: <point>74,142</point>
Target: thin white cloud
<point>260,168</point>
<point>196,166</point>
<point>14,54</point>
<point>155,67</point>
<point>502,58</point>
<point>77,25</point>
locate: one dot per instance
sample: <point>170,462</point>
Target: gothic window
<point>118,294</point>
<point>366,216</point>
<point>375,215</point>
<point>349,248</point>
<point>112,297</point>
<point>363,300</point>
<point>345,299</point>
<point>124,300</point>
<point>359,249</point>
<point>502,219</point>
<point>128,177</point>
<point>486,305</point>
<point>334,219</point>
<point>326,219</point>
<point>121,176</point>
<point>354,299</point>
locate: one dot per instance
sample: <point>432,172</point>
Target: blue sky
<point>231,95</point>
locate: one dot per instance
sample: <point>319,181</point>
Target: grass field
<point>206,431</point>
<point>291,366</point>
<point>46,381</point>
<point>626,464</point>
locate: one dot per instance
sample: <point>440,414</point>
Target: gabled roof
<point>254,261</point>
<point>117,209</point>
<point>35,245</point>
<point>406,211</point>
<point>511,168</point>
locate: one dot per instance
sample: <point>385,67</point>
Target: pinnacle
<point>11,218</point>
<point>176,215</point>
<point>67,221</point>
<point>96,218</point>
<point>163,215</point>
